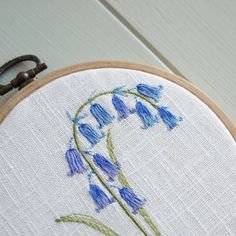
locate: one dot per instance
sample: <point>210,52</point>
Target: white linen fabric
<point>187,175</point>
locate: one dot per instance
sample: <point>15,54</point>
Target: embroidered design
<point>131,199</point>
<point>107,167</point>
<point>168,118</point>
<point>89,221</point>
<point>90,134</point>
<point>150,91</point>
<point>75,162</point>
<point>145,115</point>
<point>122,110</point>
<point>99,166</point>
<point>99,197</point>
<point>101,115</point>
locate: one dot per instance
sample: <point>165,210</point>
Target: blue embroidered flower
<point>101,115</point>
<point>109,168</point>
<point>122,110</point>
<point>150,91</point>
<point>168,118</point>
<point>131,199</point>
<point>100,199</point>
<point>90,134</point>
<point>75,162</point>
<point>145,115</point>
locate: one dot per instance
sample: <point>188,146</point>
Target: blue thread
<point>119,91</point>
<point>90,99</point>
<point>101,115</point>
<point>168,118</point>
<point>90,176</point>
<point>131,199</point>
<point>75,162</point>
<point>100,199</point>
<point>69,116</point>
<point>76,121</point>
<point>145,115</point>
<point>70,142</point>
<point>122,110</point>
<point>150,91</point>
<point>90,134</point>
<point>107,167</point>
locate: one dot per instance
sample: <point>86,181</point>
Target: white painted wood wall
<point>196,39</point>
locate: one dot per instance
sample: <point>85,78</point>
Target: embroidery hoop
<point>123,65</point>
<point>13,101</point>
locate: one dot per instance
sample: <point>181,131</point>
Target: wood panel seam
<point>141,38</point>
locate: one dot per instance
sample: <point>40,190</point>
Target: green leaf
<point>89,221</point>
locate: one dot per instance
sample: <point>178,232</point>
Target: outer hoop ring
<point>12,102</point>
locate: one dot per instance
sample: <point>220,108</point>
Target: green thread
<point>121,176</point>
<point>89,221</point>
<point>142,97</point>
<point>103,182</point>
<point>149,221</point>
<point>110,148</point>
<point>112,92</point>
<point>125,183</point>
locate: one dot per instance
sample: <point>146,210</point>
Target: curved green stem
<point>125,183</point>
<point>103,182</point>
<point>89,221</point>
<point>90,164</point>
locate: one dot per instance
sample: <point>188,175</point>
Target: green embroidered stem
<point>90,164</point>
<point>112,155</point>
<point>142,97</point>
<point>89,221</point>
<point>125,183</point>
<point>149,221</point>
<point>103,182</point>
<point>112,92</point>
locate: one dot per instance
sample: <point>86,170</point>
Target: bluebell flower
<point>107,167</point>
<point>168,118</point>
<point>100,199</point>
<point>131,199</point>
<point>145,115</point>
<point>101,115</point>
<point>75,162</point>
<point>90,134</point>
<point>122,110</point>
<point>150,91</point>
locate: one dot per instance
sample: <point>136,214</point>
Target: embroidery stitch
<point>122,110</point>
<point>126,193</point>
<point>124,183</point>
<point>75,162</point>
<point>99,197</point>
<point>110,169</point>
<point>145,115</point>
<point>150,91</point>
<point>101,115</point>
<point>90,134</point>
<point>111,152</point>
<point>168,118</point>
<point>89,221</point>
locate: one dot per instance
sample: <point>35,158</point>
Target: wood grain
<point>118,64</point>
<point>63,33</point>
<point>197,37</point>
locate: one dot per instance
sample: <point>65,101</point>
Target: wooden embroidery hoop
<point>12,102</point>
